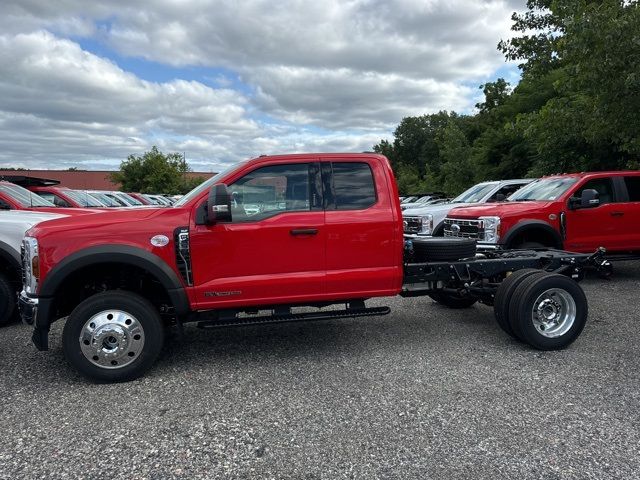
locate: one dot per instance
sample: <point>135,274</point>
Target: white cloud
<point>319,76</point>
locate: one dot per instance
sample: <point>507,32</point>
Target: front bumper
<point>35,312</point>
<point>28,308</point>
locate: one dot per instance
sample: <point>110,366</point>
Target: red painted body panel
<point>62,237</point>
<point>615,226</point>
<point>355,254</point>
<point>258,261</point>
<point>363,245</point>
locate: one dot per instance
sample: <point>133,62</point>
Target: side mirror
<point>500,197</point>
<point>218,204</point>
<point>588,199</point>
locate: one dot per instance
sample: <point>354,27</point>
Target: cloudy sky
<point>83,84</point>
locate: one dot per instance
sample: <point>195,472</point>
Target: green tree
<point>456,172</point>
<point>155,172</point>
<point>592,51</point>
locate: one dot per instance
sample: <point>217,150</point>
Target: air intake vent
<point>183,253</point>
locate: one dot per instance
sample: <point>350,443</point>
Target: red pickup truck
<point>15,197</point>
<point>257,241</point>
<point>579,212</point>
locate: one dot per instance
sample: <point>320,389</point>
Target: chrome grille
<point>463,228</point>
<point>412,224</point>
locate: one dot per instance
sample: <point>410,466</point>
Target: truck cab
<point>578,212</point>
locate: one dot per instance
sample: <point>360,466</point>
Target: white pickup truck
<point>429,220</point>
<point>13,225</point>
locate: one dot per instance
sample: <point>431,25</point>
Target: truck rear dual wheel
<point>547,311</point>
<point>7,300</point>
<point>113,336</point>
<point>504,294</point>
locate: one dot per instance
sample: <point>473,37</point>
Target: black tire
<point>530,246</point>
<point>135,306</point>
<point>443,249</point>
<point>7,300</point>
<point>523,302</point>
<point>452,301</point>
<point>503,297</point>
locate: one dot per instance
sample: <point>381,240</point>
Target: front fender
<point>118,254</point>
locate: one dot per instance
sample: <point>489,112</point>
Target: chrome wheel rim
<point>112,339</point>
<point>554,313</point>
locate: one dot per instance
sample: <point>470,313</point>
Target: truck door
<point>362,253</point>
<point>273,250</point>
<point>601,226</point>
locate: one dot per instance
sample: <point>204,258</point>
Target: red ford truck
<point>258,241</point>
<point>579,212</point>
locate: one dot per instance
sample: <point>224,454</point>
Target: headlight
<point>427,224</point>
<point>30,265</point>
<point>491,228</point>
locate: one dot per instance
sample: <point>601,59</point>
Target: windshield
<point>83,198</point>
<point>134,202</point>
<point>206,185</point>
<point>24,197</point>
<point>108,201</point>
<point>475,193</point>
<point>119,200</point>
<point>545,189</point>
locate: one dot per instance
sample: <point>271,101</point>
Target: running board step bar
<point>295,317</point>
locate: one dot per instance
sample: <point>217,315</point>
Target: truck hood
<point>104,218</point>
<point>65,211</point>
<point>136,228</point>
<point>502,209</point>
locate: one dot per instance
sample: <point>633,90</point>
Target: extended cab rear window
<point>354,188</point>
<point>633,188</point>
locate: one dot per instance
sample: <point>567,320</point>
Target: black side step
<point>296,317</point>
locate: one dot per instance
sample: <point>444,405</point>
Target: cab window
<point>604,187</point>
<point>272,190</point>
<point>353,186</point>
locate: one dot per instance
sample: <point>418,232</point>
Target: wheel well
<point>11,272</point>
<point>537,235</point>
<point>101,277</point>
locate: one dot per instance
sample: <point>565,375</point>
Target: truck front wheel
<point>113,336</point>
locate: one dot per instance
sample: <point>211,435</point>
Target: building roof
<point>83,179</point>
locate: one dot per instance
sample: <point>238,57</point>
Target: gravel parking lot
<point>425,392</point>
